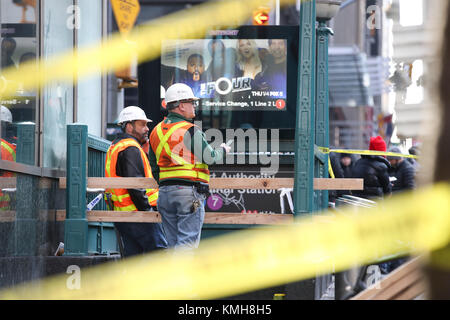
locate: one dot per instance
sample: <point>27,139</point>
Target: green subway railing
<point>26,195</point>
<point>85,158</point>
<point>101,235</point>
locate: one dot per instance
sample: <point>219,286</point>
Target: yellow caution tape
<point>117,52</point>
<point>367,152</point>
<point>264,257</point>
<point>242,261</point>
<point>440,259</point>
<point>361,152</point>
<point>330,169</point>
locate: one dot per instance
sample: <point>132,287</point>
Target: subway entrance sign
<point>126,12</point>
<point>261,17</point>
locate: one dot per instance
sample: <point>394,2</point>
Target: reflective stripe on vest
<point>8,151</point>
<point>163,138</point>
<point>172,164</point>
<point>120,197</point>
<point>5,201</point>
<point>184,174</point>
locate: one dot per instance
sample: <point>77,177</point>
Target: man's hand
<point>226,147</point>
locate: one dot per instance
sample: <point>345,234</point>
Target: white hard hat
<point>163,92</point>
<point>179,92</point>
<point>6,115</point>
<point>132,113</point>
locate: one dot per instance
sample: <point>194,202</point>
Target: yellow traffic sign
<point>126,12</point>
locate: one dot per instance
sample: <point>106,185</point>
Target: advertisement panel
<point>229,74</point>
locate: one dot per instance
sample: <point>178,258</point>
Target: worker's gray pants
<point>181,224</point>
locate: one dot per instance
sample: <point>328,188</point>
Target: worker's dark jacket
<point>405,175</point>
<point>374,171</point>
<point>129,164</point>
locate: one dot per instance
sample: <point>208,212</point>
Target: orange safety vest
<point>8,152</point>
<point>174,159</point>
<point>120,197</point>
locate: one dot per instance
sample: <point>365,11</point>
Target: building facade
<point>417,27</point>
<point>33,126</point>
<point>359,69</point>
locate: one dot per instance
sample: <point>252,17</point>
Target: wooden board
<point>11,182</point>
<point>224,183</point>
<point>114,216</point>
<point>338,184</point>
<point>7,216</point>
<point>115,183</point>
<point>249,218</point>
<point>210,217</point>
<point>405,283</point>
<point>44,215</point>
<point>8,182</point>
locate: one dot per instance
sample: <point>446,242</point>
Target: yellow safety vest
<point>120,197</point>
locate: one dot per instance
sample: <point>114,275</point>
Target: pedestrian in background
<point>414,150</point>
<point>347,162</point>
<point>374,170</point>
<point>403,172</point>
<point>342,164</point>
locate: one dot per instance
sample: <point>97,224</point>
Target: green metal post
<point>304,131</point>
<point>76,225</point>
<point>322,110</point>
<point>322,133</point>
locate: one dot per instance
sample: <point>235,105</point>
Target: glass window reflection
<point>18,45</point>
<point>57,95</point>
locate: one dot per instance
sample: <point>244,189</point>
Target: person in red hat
<point>377,144</point>
<point>374,171</point>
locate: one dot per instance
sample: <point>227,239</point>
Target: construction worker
<point>8,153</point>
<point>8,147</point>
<point>178,155</point>
<point>126,158</point>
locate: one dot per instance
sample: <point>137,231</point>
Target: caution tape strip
<point>330,169</point>
<point>367,152</point>
<point>144,42</point>
<point>239,262</point>
<point>361,152</point>
<point>249,260</point>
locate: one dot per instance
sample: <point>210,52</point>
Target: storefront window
<point>89,91</point>
<point>57,95</point>
<point>18,45</point>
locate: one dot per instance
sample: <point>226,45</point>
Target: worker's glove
<point>226,147</point>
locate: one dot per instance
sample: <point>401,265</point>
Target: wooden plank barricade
<point>79,178</point>
<point>215,183</point>
<point>405,283</point>
<point>224,183</point>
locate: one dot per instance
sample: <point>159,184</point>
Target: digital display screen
<point>228,74</point>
